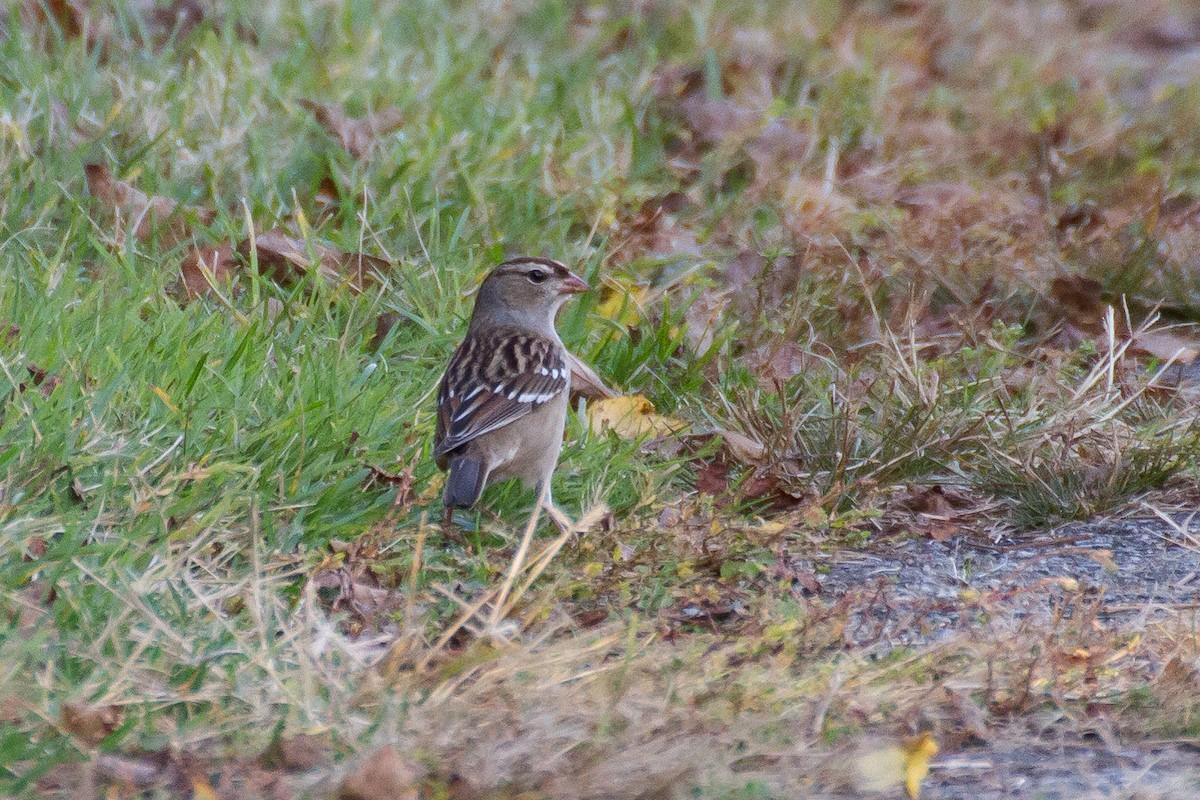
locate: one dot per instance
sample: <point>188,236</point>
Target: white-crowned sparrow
<point>502,403</point>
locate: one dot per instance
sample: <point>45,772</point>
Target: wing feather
<point>494,379</point>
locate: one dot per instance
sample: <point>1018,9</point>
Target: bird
<point>502,402</point>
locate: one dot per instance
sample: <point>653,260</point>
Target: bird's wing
<point>493,379</point>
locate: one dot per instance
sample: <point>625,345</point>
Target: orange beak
<point>574,284</point>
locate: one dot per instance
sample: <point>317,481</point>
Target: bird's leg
<point>450,531</point>
<point>560,520</point>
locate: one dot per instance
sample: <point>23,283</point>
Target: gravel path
<point>1141,571</point>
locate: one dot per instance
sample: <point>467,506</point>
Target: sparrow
<point>502,402</point>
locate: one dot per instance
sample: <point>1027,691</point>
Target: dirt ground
<point>1139,572</point>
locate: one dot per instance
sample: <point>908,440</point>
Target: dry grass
<point>936,260</point>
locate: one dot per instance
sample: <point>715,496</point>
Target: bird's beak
<point>574,284</point>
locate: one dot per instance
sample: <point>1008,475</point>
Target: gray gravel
<point>1140,570</point>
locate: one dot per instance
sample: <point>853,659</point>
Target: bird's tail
<point>465,482</point>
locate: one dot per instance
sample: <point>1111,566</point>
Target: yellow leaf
<point>203,790</point>
<point>630,416</point>
<point>622,304</point>
<point>918,752</point>
<point>883,767</point>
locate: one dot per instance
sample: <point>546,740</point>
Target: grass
<point>835,227</point>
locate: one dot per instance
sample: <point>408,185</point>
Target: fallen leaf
<point>299,753</point>
<point>68,15</point>
<point>1179,681</point>
<point>147,216</point>
<point>918,752</point>
<point>1166,346</point>
<point>1079,301</point>
<point>384,775</point>
<point>89,723</point>
<point>778,362</point>
<point>35,548</point>
<point>132,772</point>
<point>943,531</point>
<point>630,416</point>
<point>287,258</point>
<point>402,481</point>
<point>777,149</point>
<point>356,134</point>
<point>654,231</point>
<point>203,790</point>
<point>383,326</point>
<point>585,382</point>
<point>43,380</point>
<point>929,500</point>
<point>177,18</point>
<point>713,478</point>
<point>358,593</point>
<point>622,303</point>
<point>327,195</point>
<point>742,447</point>
<point>205,267</point>
<point>884,766</point>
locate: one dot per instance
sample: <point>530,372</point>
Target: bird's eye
<point>537,275</point>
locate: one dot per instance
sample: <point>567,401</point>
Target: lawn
<point>870,276</point>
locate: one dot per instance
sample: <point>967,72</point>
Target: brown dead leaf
<point>205,267</point>
<point>1083,309</point>
<point>402,481</point>
<point>942,530</point>
<point>88,723</point>
<point>384,324</point>
<point>147,216</point>
<point>286,258</point>
<point>299,753</point>
<point>743,448</point>
<point>356,135</point>
<point>1179,681</point>
<point>1166,346</point>
<point>35,548</point>
<point>160,21</point>
<point>40,378</point>
<point>713,478</point>
<point>177,18</point>
<point>931,501</point>
<point>1079,301</point>
<point>718,121</point>
<point>778,362</point>
<point>768,489</point>
<point>795,574</point>
<point>655,231</point>
<point>133,772</point>
<point>68,15</point>
<point>384,775</point>
<point>705,318</point>
<point>585,382</point>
